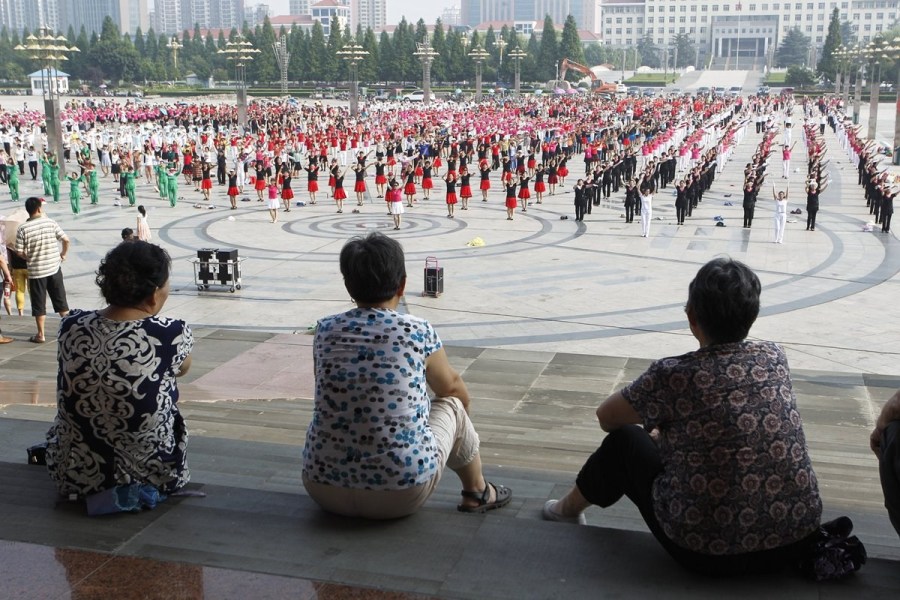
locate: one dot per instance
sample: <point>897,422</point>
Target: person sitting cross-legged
<point>378,443</point>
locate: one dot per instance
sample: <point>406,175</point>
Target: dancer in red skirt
<point>511,201</point>
<point>524,193</point>
<point>287,194</point>
<point>312,179</point>
<point>332,175</point>
<point>409,173</point>
<point>206,181</point>
<point>531,162</point>
<point>539,187</point>
<point>339,193</point>
<point>233,190</point>
<point>485,184</point>
<point>260,185</point>
<point>359,185</point>
<point>450,179</point>
<point>562,170</point>
<point>380,178</point>
<point>552,178</point>
<point>419,170</point>
<point>465,190</point>
<point>395,202</point>
<point>427,183</point>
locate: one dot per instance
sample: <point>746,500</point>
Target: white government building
<point>730,30</point>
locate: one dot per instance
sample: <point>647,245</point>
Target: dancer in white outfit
<point>781,200</point>
<point>646,209</point>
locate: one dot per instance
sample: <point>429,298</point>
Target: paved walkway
<point>544,322</point>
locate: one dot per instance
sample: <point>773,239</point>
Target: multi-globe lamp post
<point>353,53</point>
<point>241,52</point>
<point>48,51</point>
<point>517,54</point>
<point>426,53</point>
<point>174,45</point>
<point>283,58</point>
<point>479,55</point>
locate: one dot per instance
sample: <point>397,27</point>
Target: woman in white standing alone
<point>142,231</point>
<point>781,200</point>
<point>646,194</point>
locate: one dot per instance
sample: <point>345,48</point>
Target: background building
<point>128,15</point>
<point>726,31</point>
<point>368,13</point>
<point>16,15</point>
<point>585,12</point>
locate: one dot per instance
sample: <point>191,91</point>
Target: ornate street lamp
<point>479,55</point>
<point>426,54</point>
<point>500,44</point>
<point>240,51</point>
<point>893,52</point>
<point>875,51</point>
<point>174,45</point>
<point>517,54</point>
<point>840,53</point>
<point>353,53</point>
<point>48,51</point>
<point>283,58</point>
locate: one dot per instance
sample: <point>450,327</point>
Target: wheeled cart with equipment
<point>215,266</point>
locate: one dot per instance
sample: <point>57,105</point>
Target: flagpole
<point>737,52</point>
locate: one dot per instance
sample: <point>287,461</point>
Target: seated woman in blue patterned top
<point>117,421</point>
<point>378,444</point>
<point>719,468</point>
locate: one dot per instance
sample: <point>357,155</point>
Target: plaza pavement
<point>544,321</point>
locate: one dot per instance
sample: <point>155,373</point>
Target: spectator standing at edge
<point>38,240</point>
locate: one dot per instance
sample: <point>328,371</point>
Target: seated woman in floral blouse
<point>117,421</point>
<point>378,443</point>
<point>709,445</point>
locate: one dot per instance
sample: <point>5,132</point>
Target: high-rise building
<point>451,16</point>
<point>256,14</point>
<point>225,14</point>
<point>167,16</point>
<point>16,15</point>
<point>474,12</point>
<point>298,7</point>
<point>368,13</point>
<point>128,15</point>
<point>324,11</point>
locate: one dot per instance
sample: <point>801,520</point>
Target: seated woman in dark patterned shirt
<point>709,445</point>
<point>117,422</point>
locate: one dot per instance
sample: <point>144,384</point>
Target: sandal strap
<point>481,497</point>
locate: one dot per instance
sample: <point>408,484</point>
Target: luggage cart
<point>434,277</point>
<point>217,267</point>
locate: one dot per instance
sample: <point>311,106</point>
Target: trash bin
<point>434,278</point>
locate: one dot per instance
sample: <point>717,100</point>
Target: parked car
<point>735,90</point>
<point>763,90</point>
<point>649,93</point>
<point>703,91</point>
<point>418,96</point>
<point>634,91</point>
<point>719,91</point>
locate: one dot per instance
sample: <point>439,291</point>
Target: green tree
<point>800,76</point>
<point>530,62</point>
<point>549,53</point>
<point>569,43</point>
<point>827,66</point>
<point>649,52</point>
<point>686,51</point>
<point>335,66</point>
<point>386,54</point>
<point>439,43</point>
<point>368,68</point>
<point>794,49</point>
<point>317,53</point>
<point>455,59</point>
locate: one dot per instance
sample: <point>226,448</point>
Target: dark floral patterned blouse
<point>736,474</point>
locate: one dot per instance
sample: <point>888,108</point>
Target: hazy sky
<point>413,10</point>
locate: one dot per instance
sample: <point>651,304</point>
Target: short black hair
<point>373,268</point>
<point>132,271</point>
<point>127,233</point>
<point>32,205</point>
<point>724,299</point>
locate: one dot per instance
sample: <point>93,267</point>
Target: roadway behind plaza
<point>544,321</point>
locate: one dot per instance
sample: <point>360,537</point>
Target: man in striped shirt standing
<point>38,240</point>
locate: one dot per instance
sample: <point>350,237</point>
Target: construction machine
<point>597,84</point>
